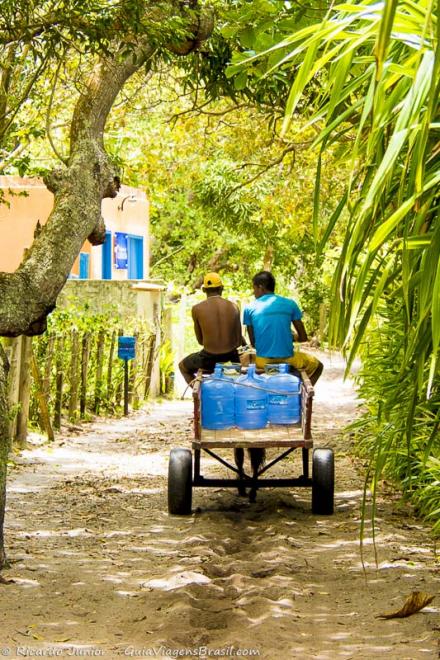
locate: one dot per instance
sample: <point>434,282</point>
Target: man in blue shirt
<point>269,322</point>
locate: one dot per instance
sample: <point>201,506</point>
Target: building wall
<point>19,217</point>
<point>128,213</point>
<point>29,201</point>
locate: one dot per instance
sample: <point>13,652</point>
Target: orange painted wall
<point>128,212</point>
<point>18,221</point>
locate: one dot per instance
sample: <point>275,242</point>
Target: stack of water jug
<point>250,401</point>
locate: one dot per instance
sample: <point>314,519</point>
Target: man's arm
<point>239,333</point>
<point>197,328</point>
<point>300,330</point>
<point>251,335</point>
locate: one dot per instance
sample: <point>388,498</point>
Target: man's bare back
<point>217,325</point>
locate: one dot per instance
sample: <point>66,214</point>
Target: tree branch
<point>273,163</point>
<point>48,113</point>
<point>29,294</point>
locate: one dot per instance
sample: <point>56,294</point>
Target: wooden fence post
<point>119,390</point>
<point>14,383</point>
<point>74,376</point>
<point>84,366</point>
<point>42,401</point>
<point>24,391</point>
<point>110,387</point>
<point>99,367</point>
<point>48,366</point>
<point>150,362</point>
<point>59,382</point>
<point>134,367</point>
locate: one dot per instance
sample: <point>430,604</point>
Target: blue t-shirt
<point>271,317</point>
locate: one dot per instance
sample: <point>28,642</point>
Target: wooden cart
<point>185,473</point>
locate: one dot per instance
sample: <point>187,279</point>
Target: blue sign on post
<point>126,348</point>
<point>126,352</point>
<point>121,251</point>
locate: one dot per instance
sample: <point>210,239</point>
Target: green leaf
<point>383,37</point>
<point>240,81</point>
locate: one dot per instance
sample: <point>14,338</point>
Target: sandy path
<point>99,567</point>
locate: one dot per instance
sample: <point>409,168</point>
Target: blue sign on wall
<point>121,251</point>
<point>126,348</point>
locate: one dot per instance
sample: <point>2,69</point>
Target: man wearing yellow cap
<point>217,327</point>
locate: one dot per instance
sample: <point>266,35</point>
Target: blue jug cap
<point>284,368</point>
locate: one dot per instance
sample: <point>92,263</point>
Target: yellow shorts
<point>300,361</point>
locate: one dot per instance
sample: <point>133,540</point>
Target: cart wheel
<point>323,481</point>
<point>180,482</point>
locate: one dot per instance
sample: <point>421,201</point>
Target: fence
<point>74,373</point>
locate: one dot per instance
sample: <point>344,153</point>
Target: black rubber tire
<point>323,481</point>
<point>180,482</point>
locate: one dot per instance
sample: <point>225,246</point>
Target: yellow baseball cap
<point>212,281</point>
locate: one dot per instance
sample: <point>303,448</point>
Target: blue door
<point>84,266</point>
<point>107,257</point>
<point>135,246</point>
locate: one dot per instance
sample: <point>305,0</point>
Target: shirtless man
<point>218,329</point>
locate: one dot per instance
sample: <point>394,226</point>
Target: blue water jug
<point>217,401</point>
<point>250,401</point>
<point>283,397</point>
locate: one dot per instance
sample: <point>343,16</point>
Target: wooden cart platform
<point>185,469</point>
<point>271,436</point>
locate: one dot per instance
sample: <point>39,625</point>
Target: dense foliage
<point>236,187</point>
<point>378,69</point>
<point>226,192</point>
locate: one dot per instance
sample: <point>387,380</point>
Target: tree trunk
<point>268,258</point>
<point>4,446</point>
<point>24,392</point>
<point>29,295</point>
